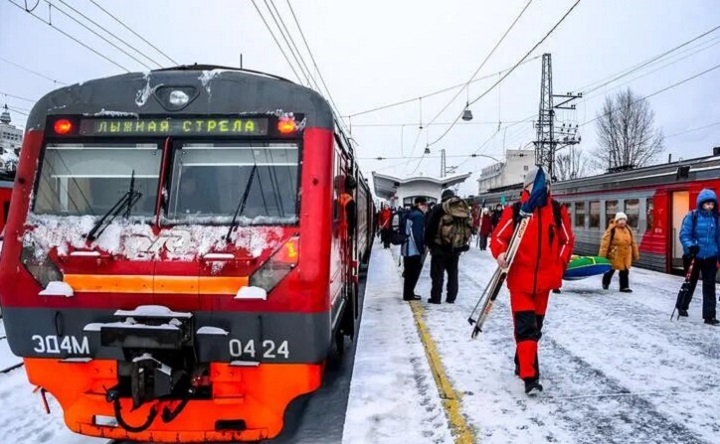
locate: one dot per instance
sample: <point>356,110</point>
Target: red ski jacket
<point>544,251</point>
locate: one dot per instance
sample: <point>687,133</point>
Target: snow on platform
<point>7,358</point>
<point>393,397</point>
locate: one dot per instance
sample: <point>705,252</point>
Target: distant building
<point>512,171</point>
<point>402,192</point>
<point>10,143</point>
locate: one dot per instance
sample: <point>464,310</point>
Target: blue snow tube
<point>581,267</point>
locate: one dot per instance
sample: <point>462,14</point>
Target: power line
<point>487,122</point>
<point>31,71</point>
<point>272,34</point>
<point>51,5</point>
<point>17,97</point>
<point>322,80</point>
<point>513,68</point>
<point>434,93</point>
<point>512,25</point>
<point>136,34</point>
<point>693,129</point>
<point>71,37</point>
<point>649,61</point>
<point>18,110</point>
<point>110,33</point>
<point>291,45</point>
<point>674,85</point>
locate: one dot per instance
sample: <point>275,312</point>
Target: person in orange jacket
<point>537,268</point>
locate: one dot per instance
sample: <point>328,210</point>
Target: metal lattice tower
<point>546,143</point>
<point>443,171</point>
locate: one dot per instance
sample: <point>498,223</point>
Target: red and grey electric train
<point>177,265</point>
<point>655,199</point>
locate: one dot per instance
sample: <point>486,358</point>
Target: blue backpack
<point>399,230</point>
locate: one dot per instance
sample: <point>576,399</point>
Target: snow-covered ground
<point>614,367</point>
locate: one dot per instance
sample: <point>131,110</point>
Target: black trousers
<point>439,264</point>
<point>707,266</point>
<point>413,267</point>
<point>624,278</point>
<point>483,241</point>
<point>385,235</point>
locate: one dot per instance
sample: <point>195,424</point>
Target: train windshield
<point>212,182</point>
<point>89,179</point>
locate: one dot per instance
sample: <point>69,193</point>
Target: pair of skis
<point>487,299</point>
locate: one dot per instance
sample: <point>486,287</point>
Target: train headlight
<point>43,270</point>
<point>178,98</point>
<point>279,265</point>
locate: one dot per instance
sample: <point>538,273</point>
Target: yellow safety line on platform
<point>461,431</point>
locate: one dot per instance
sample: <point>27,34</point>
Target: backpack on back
<point>399,226</point>
<point>455,227</point>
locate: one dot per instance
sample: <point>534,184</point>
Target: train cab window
<point>89,179</point>
<point>580,214</point>
<point>611,207</point>
<point>595,214</point>
<point>650,217</point>
<point>210,182</point>
<point>632,209</point>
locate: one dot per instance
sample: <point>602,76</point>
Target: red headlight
<point>63,126</point>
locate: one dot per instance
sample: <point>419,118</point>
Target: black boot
<point>532,387</point>
<point>682,313</point>
<point>711,321</point>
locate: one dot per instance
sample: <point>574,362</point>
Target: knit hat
<point>620,215</point>
<point>447,194</point>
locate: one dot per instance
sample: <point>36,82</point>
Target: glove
<point>694,249</point>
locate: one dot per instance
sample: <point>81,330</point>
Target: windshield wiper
<point>125,202</point>
<point>241,205</point>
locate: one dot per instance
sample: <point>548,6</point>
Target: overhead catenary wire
<point>66,14</point>
<point>492,51</point>
<point>312,58</point>
<point>135,33</point>
<point>272,34</point>
<point>10,62</point>
<point>110,33</point>
<point>569,11</point>
<point>71,37</point>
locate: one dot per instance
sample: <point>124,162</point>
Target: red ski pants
<point>528,311</point>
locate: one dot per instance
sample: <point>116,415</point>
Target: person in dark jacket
<point>442,261</point>
<point>413,249</point>
<point>495,216</point>
<point>700,238</point>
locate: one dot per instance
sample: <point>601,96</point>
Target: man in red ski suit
<point>537,268</point>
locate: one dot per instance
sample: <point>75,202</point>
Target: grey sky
<point>375,52</point>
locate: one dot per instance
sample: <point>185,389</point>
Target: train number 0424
<point>268,349</point>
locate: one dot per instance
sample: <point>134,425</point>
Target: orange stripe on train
<point>98,283</point>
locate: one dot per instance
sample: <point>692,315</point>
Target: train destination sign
<point>201,126</point>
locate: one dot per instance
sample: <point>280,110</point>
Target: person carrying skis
<point>700,238</point>
<point>538,266</point>
<point>413,249</point>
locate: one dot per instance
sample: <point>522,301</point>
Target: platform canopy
<point>402,191</point>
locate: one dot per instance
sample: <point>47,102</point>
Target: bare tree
<point>627,133</point>
<point>570,165</point>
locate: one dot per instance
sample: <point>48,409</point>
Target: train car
<point>5,194</point>
<point>655,199</point>
<point>176,263</point>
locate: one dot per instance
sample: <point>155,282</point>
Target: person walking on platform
<point>485,228</point>
<point>413,249</point>
<point>700,238</point>
<point>537,268</point>
<point>619,246</point>
<point>384,225</point>
<point>447,235</point>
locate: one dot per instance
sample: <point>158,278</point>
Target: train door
<point>680,205</point>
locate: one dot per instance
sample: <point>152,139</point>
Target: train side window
<point>611,207</point>
<point>632,209</point>
<point>580,214</point>
<point>650,215</point>
<point>595,214</point>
